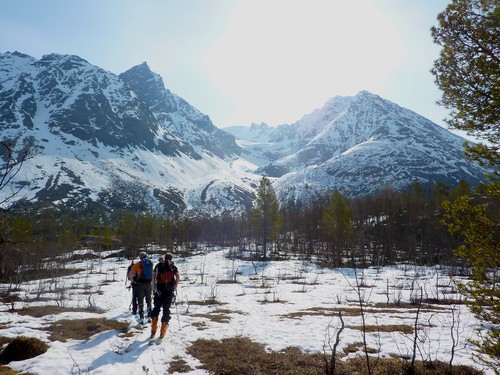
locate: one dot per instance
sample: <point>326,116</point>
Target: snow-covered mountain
<point>194,130</point>
<point>360,145</point>
<point>121,141</point>
<point>125,141</point>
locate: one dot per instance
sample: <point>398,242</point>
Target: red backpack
<point>165,276</point>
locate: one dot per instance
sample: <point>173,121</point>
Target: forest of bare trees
<point>388,228</point>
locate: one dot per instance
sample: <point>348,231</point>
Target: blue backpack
<point>147,269</point>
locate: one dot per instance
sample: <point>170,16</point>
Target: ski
<point>153,341</point>
<point>144,322</point>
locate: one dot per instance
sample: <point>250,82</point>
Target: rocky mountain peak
<point>126,141</point>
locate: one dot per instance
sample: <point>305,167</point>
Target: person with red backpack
<point>141,276</point>
<point>165,281</point>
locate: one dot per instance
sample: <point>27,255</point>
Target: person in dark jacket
<point>134,297</point>
<point>142,285</point>
<point>165,281</point>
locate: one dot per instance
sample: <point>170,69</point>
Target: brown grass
<point>4,370</point>
<point>200,326</point>
<point>82,329</point>
<point>218,318</point>
<point>323,311</point>
<point>9,298</point>
<point>39,311</point>
<point>227,282</point>
<point>380,308</point>
<point>242,356</point>
<point>409,307</point>
<point>49,273</point>
<point>265,301</point>
<point>5,340</point>
<point>179,365</point>
<point>386,328</point>
<point>22,348</point>
<point>207,302</point>
<point>219,315</point>
<point>353,347</point>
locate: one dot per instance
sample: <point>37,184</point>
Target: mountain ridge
<point>359,145</point>
<point>127,142</point>
<point>101,143</point>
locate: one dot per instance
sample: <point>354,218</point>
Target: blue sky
<point>244,61</point>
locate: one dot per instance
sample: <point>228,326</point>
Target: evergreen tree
<point>265,215</point>
<point>480,248</point>
<point>468,73</point>
<point>338,225</point>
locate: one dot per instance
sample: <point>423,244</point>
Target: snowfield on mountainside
<point>127,142</point>
<point>277,304</point>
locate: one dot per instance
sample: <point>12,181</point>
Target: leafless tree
<point>362,300</point>
<point>415,337</point>
<point>13,154</point>
<point>330,365</point>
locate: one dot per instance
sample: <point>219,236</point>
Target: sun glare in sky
<point>286,56</point>
<point>244,61</point>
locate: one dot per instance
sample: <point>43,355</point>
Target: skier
<point>165,281</point>
<point>140,276</point>
<point>134,297</point>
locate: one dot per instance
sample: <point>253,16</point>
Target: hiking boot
<point>154,326</point>
<point>163,329</point>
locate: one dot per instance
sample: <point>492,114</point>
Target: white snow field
<point>278,304</point>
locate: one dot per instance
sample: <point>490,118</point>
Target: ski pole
<point>177,311</point>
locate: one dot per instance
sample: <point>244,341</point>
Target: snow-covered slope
<point>101,142</point>
<point>360,145</point>
<point>195,131</point>
<point>126,142</point>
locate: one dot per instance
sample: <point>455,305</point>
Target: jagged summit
<point>194,129</point>
<point>102,143</point>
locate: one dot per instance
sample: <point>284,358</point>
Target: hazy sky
<point>244,61</point>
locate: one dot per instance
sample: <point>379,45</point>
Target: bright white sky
<point>244,61</point>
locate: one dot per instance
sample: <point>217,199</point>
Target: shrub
<point>22,348</point>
